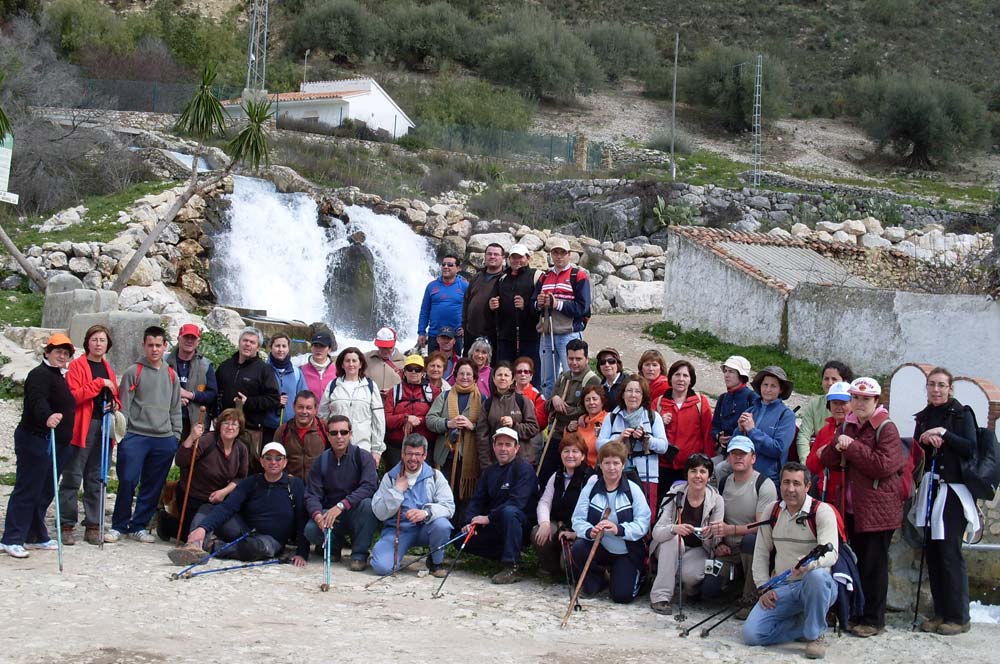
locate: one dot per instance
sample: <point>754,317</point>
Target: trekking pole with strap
<point>586,567</point>
<point>927,529</point>
<point>416,560</point>
<point>327,541</point>
<point>262,563</point>
<point>55,486</point>
<point>187,489</point>
<point>281,415</point>
<point>105,466</point>
<point>468,535</point>
<point>184,572</point>
<point>568,569</point>
<point>680,617</point>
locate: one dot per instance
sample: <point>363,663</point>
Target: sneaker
<point>952,629</point>
<point>816,649</point>
<point>69,535</point>
<point>437,571</point>
<point>92,535</point>
<point>49,545</point>
<point>14,550</point>
<point>358,565</point>
<point>111,536</point>
<point>142,536</point>
<point>865,631</point>
<point>663,608</point>
<point>509,574</point>
<point>931,624</point>
<point>186,555</point>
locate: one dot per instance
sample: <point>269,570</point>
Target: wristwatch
<point>340,506</point>
<point>428,513</point>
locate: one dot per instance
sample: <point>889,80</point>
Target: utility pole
<point>756,157</point>
<point>673,110</point>
<point>256,87</point>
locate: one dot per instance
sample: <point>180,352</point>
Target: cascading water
<point>273,255</point>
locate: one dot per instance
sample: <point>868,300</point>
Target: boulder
<point>603,268</point>
<point>779,232</point>
<point>873,225</point>
<point>415,216</point>
<point>189,248</point>
<point>66,297</point>
<point>759,202</point>
<point>647,275</point>
<point>618,259</point>
<point>83,249</point>
<point>894,234</point>
<point>93,280</point>
<point>747,225</point>
<point>439,210</point>
<point>452,244</point>
<point>168,271</point>
<point>478,242</point>
<point>843,236</point>
<point>531,241</point>
<point>823,236</point>
<point>80,265</point>
<point>57,260</point>
<point>63,220</point>
<point>225,321</point>
<point>800,230</point>
<point>436,227</point>
<point>871,240</point>
<point>146,273</point>
<point>286,180</point>
<point>194,284</point>
<point>652,249</point>
<point>638,296</point>
<point>855,227</point>
<point>126,330</point>
<point>461,228</point>
<point>829,226</point>
<point>629,272</point>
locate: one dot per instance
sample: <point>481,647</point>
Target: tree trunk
<point>22,260</point>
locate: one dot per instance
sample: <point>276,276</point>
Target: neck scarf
<point>465,447</point>
<point>281,364</point>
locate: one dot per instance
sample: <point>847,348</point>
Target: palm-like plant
<point>5,129</point>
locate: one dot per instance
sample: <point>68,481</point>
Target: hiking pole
<point>187,489</point>
<point>680,617</point>
<point>105,465</point>
<point>272,561</point>
<point>689,629</point>
<point>927,528</point>
<point>568,569</point>
<point>184,572</point>
<point>545,448</point>
<point>55,486</point>
<point>281,415</point>
<point>468,535</point>
<point>327,537</point>
<point>586,566</point>
<point>395,542</point>
<point>552,345</point>
<point>416,560</point>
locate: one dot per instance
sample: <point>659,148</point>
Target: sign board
<point>6,149</point>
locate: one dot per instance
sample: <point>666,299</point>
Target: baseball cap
<point>739,364</point>
<point>189,329</point>
<point>322,339</point>
<point>839,392</point>
<point>558,243</point>
<point>385,337</point>
<point>446,332</point>
<point>414,359</point>
<point>519,249</point>
<point>275,447</point>
<point>505,431</point>
<point>741,443</point>
<point>57,340</point>
<point>866,387</point>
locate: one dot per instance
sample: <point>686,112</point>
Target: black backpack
<point>981,471</point>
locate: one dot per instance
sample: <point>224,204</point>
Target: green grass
<point>20,309</point>
<point>805,375</point>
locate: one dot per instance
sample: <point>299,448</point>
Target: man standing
<point>446,344</point>
<point>502,507</point>
<point>290,382</point>
<point>566,406</point>
<point>151,400</point>
<point>247,383</point>
<point>271,504</point>
<point>797,609</point>
<point>442,305</point>
<point>195,374</point>
<point>339,494</point>
<point>304,436</point>
<point>517,321</point>
<point>427,503</point>
<point>385,363</point>
<point>562,298</point>
<point>479,319</point>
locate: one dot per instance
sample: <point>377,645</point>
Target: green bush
<point>890,13</point>
<point>475,103</point>
<point>423,36</point>
<point>216,347</point>
<point>722,79</point>
<point>439,180</point>
<point>531,51</point>
<point>346,30</point>
<point>921,118</point>
<point>412,142</point>
<point>76,25</point>
<point>621,49</point>
<point>11,8</point>
<point>661,142</point>
<point>658,81</point>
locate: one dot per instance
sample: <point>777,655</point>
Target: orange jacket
<point>690,428</point>
<point>589,432</point>
<point>84,387</point>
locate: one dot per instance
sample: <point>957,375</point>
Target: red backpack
<point>138,372</point>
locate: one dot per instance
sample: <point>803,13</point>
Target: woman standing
<point>454,415</point>
<point>48,407</point>
<point>609,363</point>
<point>406,407</point>
<point>290,382</point>
<point>946,431</point>
<point>480,353</point>
<point>558,500</point>
<point>357,397</point>
<point>872,451</point>
<point>589,424</point>
<point>828,483</point>
<point>623,547</point>
<point>506,408</point>
<point>437,362</point>
<point>94,387</point>
<point>652,366</point>
<point>687,417</point>
<point>319,371</point>
<point>688,507</point>
<point>769,423</point>
<point>814,416</point>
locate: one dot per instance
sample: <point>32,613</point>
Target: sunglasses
<point>449,264</point>
<point>608,360</point>
<point>271,458</point>
<point>413,369</point>
<point>339,432</point>
<point>523,372</point>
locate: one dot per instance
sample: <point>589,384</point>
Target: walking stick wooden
<point>586,566</point>
<point>395,542</point>
<point>187,489</point>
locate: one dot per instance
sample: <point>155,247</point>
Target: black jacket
<point>499,486</point>
<point>512,321</point>
<point>45,393</point>
<point>478,320</point>
<point>565,497</point>
<point>253,378</point>
<point>959,439</point>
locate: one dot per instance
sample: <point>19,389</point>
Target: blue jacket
<point>773,433</point>
<point>291,382</point>
<point>728,409</point>
<point>514,484</point>
<point>630,512</point>
<point>442,306</point>
<point>350,480</point>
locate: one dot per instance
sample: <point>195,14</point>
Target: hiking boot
<point>931,624</point>
<point>358,565</point>
<point>92,535</point>
<point>69,535</point>
<point>952,629</point>
<point>663,608</point>
<point>816,649</point>
<point>14,550</point>
<point>142,536</point>
<point>186,555</point>
<point>509,574</point>
<point>743,613</point>
<point>111,536</point>
<point>437,571</point>
<point>48,545</point>
<point>865,631</point>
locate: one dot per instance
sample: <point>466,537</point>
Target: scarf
<point>320,368</point>
<point>284,364</point>
<point>465,447</point>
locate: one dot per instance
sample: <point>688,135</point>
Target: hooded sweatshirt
<point>151,400</point>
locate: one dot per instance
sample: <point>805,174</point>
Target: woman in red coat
<point>687,417</point>
<point>871,448</point>
<point>93,384</point>
<point>653,367</point>
<point>829,481</point>
<point>406,407</point>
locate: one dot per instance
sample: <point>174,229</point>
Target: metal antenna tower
<point>257,49</point>
<point>755,159</point>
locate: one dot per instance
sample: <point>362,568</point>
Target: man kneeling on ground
<point>502,507</point>
<point>424,503</point>
<point>270,503</point>
<point>796,609</point>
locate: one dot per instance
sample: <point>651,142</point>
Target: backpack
<point>573,279</point>
<point>397,393</point>
<point>371,385</point>
<point>761,478</point>
<point>518,399</point>
<point>981,472</point>
<point>320,429</point>
<point>138,372</point>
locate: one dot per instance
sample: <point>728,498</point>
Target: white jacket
<point>362,404</point>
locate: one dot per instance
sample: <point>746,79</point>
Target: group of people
<point>633,471</point>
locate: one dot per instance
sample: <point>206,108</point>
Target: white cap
<point>505,431</point>
<point>277,447</point>
<point>839,392</point>
<point>866,387</point>
<point>520,250</point>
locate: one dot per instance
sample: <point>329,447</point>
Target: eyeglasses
<point>940,386</point>
<point>413,369</point>
<point>230,423</point>
<point>523,372</point>
<point>273,458</point>
<point>608,360</point>
<point>339,432</point>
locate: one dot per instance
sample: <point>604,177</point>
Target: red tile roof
<point>301,96</point>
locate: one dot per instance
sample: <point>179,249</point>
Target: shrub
<point>661,142</point>
<point>890,12</point>
<point>76,25</point>
<point>475,103</point>
<point>921,118</point>
<point>346,30</point>
<point>426,35</point>
<point>439,180</point>
<point>412,142</point>
<point>658,81</point>
<point>11,8</point>
<point>531,51</point>
<point>216,346</point>
<point>722,78</point>
<point>621,49</point>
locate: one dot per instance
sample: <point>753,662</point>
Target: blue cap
<point>741,443</point>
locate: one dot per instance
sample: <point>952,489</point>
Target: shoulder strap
<point>428,392</point>
<point>775,511</point>
<point>761,478</point>
<point>698,403</point>
<point>371,385</point>
<point>722,485</point>
<point>138,372</point>
<point>519,400</point>
<point>397,393</point>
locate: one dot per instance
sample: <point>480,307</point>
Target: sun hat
<point>777,372</point>
<point>519,249</point>
<point>558,243</point>
<point>739,364</point>
<point>505,431</point>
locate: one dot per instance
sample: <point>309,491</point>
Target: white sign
<point>6,149</point>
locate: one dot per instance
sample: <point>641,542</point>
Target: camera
<point>713,567</point>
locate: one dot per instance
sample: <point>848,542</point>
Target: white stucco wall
<point>379,113</point>
<point>328,111</point>
<point>702,292</point>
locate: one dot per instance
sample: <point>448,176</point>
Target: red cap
<point>190,328</point>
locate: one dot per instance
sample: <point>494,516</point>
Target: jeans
<point>502,539</point>
<point>625,576</point>
<point>800,611</point>
<point>432,535</point>
<point>83,465</point>
<point>359,522</point>
<point>546,354</point>
<point>143,462</point>
<point>33,488</point>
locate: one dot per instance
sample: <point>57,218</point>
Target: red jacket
<point>828,487</point>
<point>412,401</point>
<point>657,388</point>
<point>84,387</point>
<point>874,472</point>
<point>690,428</point>
<point>538,400</point>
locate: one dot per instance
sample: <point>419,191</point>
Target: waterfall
<point>273,255</point>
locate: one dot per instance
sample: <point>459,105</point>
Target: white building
<point>332,102</point>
